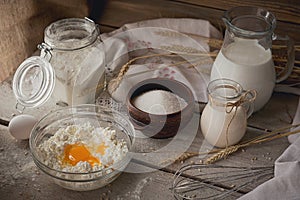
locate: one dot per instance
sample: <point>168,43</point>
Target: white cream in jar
<point>219,130</point>
<point>224,118</point>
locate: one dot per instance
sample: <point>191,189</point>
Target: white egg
<point>21,125</point>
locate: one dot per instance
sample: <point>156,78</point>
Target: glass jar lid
<point>33,82</point>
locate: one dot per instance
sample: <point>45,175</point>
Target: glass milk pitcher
<point>246,56</point>
<point>224,118</point>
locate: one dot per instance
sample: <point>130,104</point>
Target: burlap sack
<point>22,24</point>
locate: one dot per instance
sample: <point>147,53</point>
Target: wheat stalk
<point>217,43</point>
<point>223,153</point>
<point>114,84</point>
<point>185,156</point>
<point>179,50</point>
<point>213,42</point>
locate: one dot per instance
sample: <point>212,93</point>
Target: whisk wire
<point>220,181</point>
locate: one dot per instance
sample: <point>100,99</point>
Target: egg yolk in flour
<point>74,153</point>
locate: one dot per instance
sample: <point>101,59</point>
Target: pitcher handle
<point>290,57</point>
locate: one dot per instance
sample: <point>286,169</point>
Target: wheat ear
<point>222,154</point>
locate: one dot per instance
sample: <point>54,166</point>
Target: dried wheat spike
<point>114,84</point>
<point>222,154</point>
<point>185,156</point>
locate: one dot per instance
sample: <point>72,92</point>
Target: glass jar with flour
<point>71,66</point>
<point>224,118</point>
<point>246,56</point>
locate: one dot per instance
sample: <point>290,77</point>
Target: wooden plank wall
<point>287,12</point>
<point>119,12</point>
<point>22,22</point>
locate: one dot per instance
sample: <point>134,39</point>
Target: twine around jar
<point>229,106</point>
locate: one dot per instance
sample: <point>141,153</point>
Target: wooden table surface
<point>20,178</point>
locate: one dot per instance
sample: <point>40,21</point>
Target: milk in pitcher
<point>247,63</point>
<point>246,57</point>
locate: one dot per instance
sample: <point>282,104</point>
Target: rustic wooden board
<point>120,12</point>
<point>287,11</point>
<point>273,116</point>
<point>15,157</point>
<point>106,29</point>
<point>21,179</point>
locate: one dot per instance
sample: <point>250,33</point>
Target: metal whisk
<point>199,181</point>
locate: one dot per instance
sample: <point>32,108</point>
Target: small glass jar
<point>224,118</point>
<point>71,66</point>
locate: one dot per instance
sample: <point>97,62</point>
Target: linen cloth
<point>185,37</point>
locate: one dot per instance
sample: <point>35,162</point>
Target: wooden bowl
<point>160,125</point>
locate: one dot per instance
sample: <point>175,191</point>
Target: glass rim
<point>224,83</point>
<point>250,11</point>
<point>83,23</point>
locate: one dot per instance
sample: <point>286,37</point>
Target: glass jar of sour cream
<point>71,66</point>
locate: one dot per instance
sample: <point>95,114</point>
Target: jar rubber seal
<point>33,82</point>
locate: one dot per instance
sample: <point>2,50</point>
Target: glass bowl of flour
<point>83,147</point>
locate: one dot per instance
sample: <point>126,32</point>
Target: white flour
<point>78,74</point>
<point>53,150</point>
<point>159,102</point>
